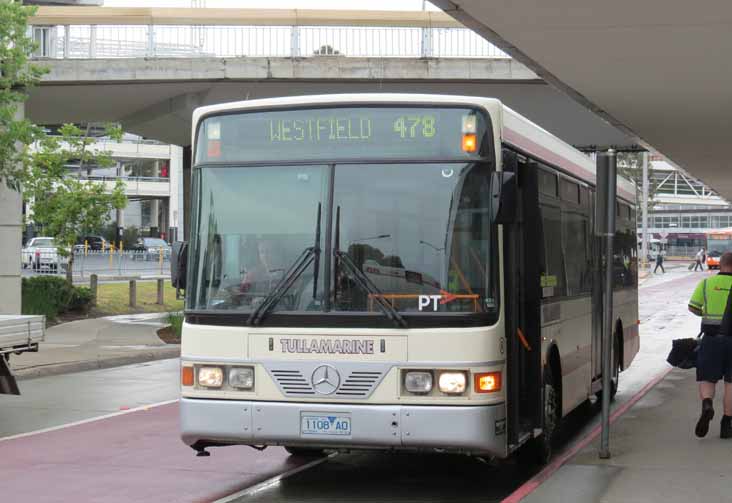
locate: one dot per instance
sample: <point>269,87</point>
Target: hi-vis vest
<point>710,298</point>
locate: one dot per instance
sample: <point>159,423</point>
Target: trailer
<point>18,334</point>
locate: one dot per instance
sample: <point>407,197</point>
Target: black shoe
<point>725,428</point>
<point>702,426</point>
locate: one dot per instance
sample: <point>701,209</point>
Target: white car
<point>42,253</point>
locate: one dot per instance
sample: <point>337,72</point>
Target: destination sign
<point>342,133</point>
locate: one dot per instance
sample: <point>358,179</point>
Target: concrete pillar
<point>11,227</point>
<point>186,192</point>
<point>175,208</point>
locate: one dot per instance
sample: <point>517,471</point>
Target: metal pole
<point>607,163</point>
<point>644,209</point>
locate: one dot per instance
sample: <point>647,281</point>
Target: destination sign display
<point>343,133</point>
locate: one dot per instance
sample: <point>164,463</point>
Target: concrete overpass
<point>656,70</point>
<point>154,96</point>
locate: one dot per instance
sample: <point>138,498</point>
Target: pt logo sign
<point>443,298</point>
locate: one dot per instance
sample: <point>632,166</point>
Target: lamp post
<point>442,261</point>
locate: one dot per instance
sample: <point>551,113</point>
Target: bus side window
<point>576,260</point>
<point>552,276</point>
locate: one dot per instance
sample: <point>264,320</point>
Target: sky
<point>279,4</point>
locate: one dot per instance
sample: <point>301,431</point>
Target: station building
<point>152,174</point>
<point>682,210</point>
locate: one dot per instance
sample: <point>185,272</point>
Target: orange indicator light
<point>186,376</point>
<point>470,143</point>
<point>487,382</point>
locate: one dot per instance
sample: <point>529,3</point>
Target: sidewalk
<point>96,343</point>
<point>655,455</point>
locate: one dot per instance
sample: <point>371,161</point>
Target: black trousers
<point>661,266</point>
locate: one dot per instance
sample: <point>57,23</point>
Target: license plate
<point>326,424</point>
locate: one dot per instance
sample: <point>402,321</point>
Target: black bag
<point>683,353</point>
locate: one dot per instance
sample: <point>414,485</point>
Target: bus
<point>393,271</point>
<point>719,241</point>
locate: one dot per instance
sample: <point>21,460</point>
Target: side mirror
<point>503,197</point>
<point>179,264</point>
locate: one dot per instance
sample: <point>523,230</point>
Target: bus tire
<point>304,452</point>
<point>538,451</point>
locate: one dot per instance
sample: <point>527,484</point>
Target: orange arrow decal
<point>447,297</point>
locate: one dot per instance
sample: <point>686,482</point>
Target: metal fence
<point>171,41</point>
<point>102,263</point>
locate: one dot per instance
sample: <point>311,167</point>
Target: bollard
<point>161,289</point>
<point>133,293</point>
<point>111,255</point>
<point>93,287</point>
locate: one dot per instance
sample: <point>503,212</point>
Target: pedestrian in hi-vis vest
<point>714,360</point>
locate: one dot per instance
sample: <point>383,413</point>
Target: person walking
<point>714,358</point>
<point>699,258</point>
<point>659,263</point>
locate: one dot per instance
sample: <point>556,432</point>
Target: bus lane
<point>137,454</point>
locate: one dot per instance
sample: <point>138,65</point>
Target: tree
<point>65,205</point>
<point>630,167</point>
<point>16,75</point>
<point>326,50</point>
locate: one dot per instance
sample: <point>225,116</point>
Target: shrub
<point>80,299</point>
<point>176,323</point>
<point>52,295</point>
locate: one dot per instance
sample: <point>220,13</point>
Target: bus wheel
<point>305,452</point>
<point>538,450</point>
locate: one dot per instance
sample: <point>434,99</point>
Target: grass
<point>114,298</point>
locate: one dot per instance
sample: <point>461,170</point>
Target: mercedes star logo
<point>325,379</point>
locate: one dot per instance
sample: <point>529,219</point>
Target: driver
<point>266,273</point>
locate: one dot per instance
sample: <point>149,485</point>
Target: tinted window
<point>577,262</point>
<point>569,191</point>
<point>552,275</point>
<point>547,183</point>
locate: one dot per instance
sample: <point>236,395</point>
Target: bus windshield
<point>413,229</point>
<point>718,244</point>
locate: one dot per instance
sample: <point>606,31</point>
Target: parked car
<point>42,253</point>
<point>149,249</point>
<point>95,243</point>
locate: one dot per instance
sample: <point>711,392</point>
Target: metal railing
<point>184,41</point>
<point>102,263</point>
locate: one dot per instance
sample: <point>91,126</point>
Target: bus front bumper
<point>473,429</point>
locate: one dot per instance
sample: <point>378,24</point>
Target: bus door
<point>522,303</point>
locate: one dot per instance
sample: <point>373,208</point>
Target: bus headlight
<point>418,382</point>
<point>452,383</point>
<point>241,377</point>
<point>210,377</point>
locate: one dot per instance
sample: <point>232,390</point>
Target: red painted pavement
<point>136,457</point>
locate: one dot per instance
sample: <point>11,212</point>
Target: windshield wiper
<point>366,285</point>
<point>296,269</point>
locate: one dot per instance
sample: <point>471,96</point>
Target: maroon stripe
<point>517,139</point>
